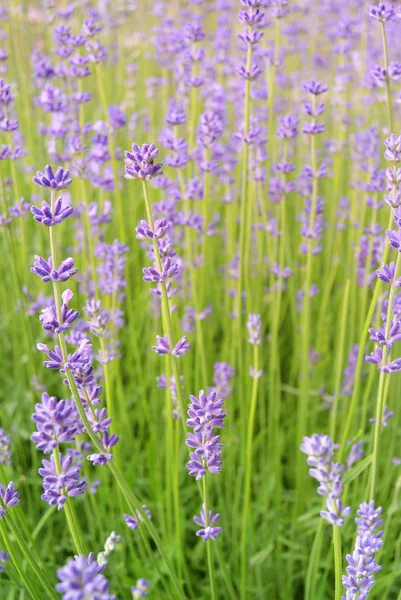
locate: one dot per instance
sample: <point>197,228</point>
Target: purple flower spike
<point>314,87</point>
<point>163,346</point>
<point>45,216</point>
<point>133,522</point>
<point>320,452</point>
<point>205,413</point>
<point>5,448</point>
<point>48,318</point>
<point>82,578</point>
<point>9,497</point>
<point>140,163</point>
<point>140,590</point>
<point>46,272</point>
<point>394,239</point>
<point>386,416</point>
<point>170,269</point>
<point>144,231</point>
<point>208,529</point>
<point>100,459</point>
<point>336,512</point>
<point>58,485</point>
<point>254,325</point>
<point>362,563</point>
<point>387,273</point>
<point>56,423</point>
<point>54,180</point>
<point>181,347</point>
<point>382,12</point>
<point>4,557</point>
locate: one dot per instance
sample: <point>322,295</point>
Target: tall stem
<point>166,312</point>
<point>26,580</point>
<point>248,472</point>
<point>243,201</point>
<point>129,495</point>
<point>209,542</point>
<point>29,557</point>
<point>388,88</point>
<point>69,513</point>
<point>381,391</point>
<point>306,324</point>
<point>337,561</point>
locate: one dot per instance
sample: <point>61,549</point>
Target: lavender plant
<point>245,245</point>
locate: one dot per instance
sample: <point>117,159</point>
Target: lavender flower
<point>382,12</point>
<point>58,485</point>
<point>9,497</point>
<point>320,451</point>
<point>81,578</point>
<point>56,423</point>
<point>362,563</point>
<point>55,181</point>
<point>48,318</point>
<point>163,346</point>
<point>140,590</point>
<point>144,231</point>
<point>208,529</point>
<point>387,414</point>
<point>255,329</point>
<point>109,547</point>
<point>140,163</point>
<point>133,522</point>
<point>45,215</point>
<point>4,558</point>
<point>44,269</point>
<point>205,413</point>
<point>5,448</point>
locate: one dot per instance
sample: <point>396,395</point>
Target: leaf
<point>357,469</point>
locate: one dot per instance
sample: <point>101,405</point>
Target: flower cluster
<point>207,524</point>
<point>252,18</point>
<point>362,563</point>
<point>205,414</point>
<point>133,522</point>
<point>140,589</point>
<point>60,480</point>
<point>312,108</point>
<point>5,448</point>
<point>140,163</point>
<point>9,497</point>
<point>386,336</point>
<point>320,452</point>
<point>109,547</point>
<point>4,558</point>
<point>82,578</point>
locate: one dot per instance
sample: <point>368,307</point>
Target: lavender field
<point>200,300</point>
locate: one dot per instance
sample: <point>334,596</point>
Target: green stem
<point>359,363</point>
<point>306,326</point>
<point>26,580</point>
<point>388,88</point>
<point>69,513</point>
<point>209,542</point>
<point>128,494</point>
<point>339,366</point>
<point>103,100</point>
<point>381,390</point>
<point>29,557</point>
<point>166,312</point>
<point>337,561</point>
<point>248,472</point>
